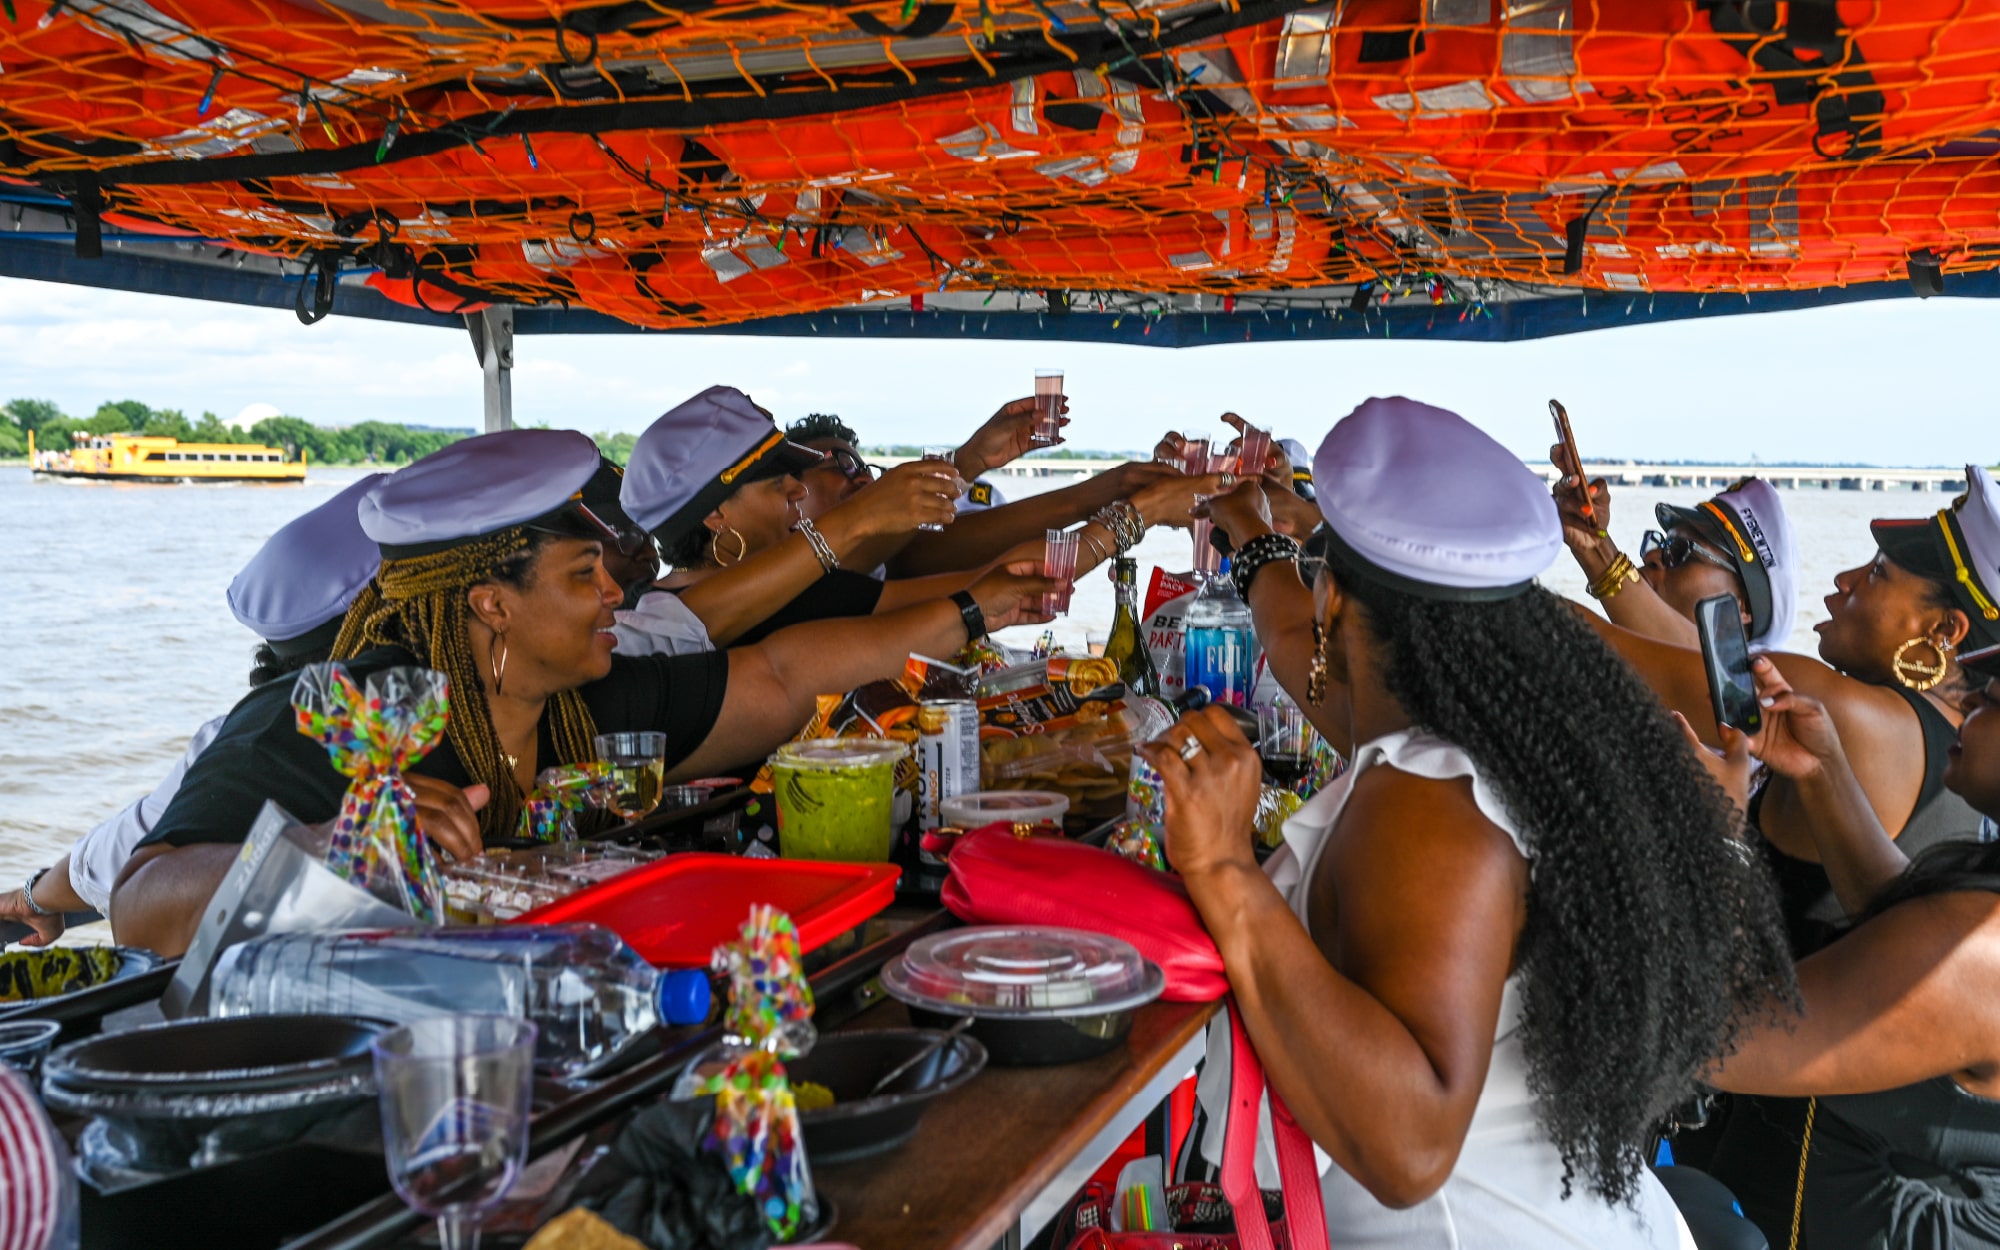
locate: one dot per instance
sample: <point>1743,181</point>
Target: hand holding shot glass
<point>1048,408</point>
<point>949,456</point>
<point>1059,564</point>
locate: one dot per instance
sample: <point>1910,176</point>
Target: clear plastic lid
<point>984,807</point>
<point>1022,972</point>
<point>839,753</point>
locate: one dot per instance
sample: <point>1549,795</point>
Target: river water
<point>116,641</point>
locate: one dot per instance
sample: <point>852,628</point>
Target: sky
<point>1895,382</point>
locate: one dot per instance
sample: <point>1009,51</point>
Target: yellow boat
<point>143,458</point>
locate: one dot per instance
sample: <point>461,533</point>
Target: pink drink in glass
<point>1048,407</point>
<point>1059,564</point>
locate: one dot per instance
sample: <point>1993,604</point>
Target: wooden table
<point>994,1162</point>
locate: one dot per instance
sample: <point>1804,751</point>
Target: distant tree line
<point>367,442</point>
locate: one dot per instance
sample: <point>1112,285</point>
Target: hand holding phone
<point>1725,653</point>
<point>1568,439</point>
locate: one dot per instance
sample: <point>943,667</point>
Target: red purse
<point>997,877</point>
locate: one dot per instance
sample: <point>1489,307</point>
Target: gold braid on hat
<point>418,603</point>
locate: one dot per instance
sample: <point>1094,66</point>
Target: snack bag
<point>769,1020</point>
<point>373,735</point>
<point>1167,600</point>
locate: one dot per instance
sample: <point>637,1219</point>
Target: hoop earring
<point>1920,677</point>
<point>1316,675</point>
<point>499,660</point>
<point>742,548</point>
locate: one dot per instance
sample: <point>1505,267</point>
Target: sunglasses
<point>1678,549</point>
<point>851,466</point>
<point>627,540</point>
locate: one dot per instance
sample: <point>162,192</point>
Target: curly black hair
<point>1651,939</point>
<point>821,425</point>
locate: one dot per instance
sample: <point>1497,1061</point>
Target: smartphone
<point>1567,438</point>
<point>1725,652</point>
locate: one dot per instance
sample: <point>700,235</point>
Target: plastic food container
<point>985,807</point>
<point>835,797</point>
<point>1037,994</point>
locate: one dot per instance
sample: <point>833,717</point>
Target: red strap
<point>1298,1171</point>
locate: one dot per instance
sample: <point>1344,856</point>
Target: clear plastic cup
<point>1253,451</point>
<point>1207,560</point>
<point>1194,454</point>
<point>1059,564</point>
<point>638,763</point>
<point>1048,407</point>
<point>835,798</point>
<point>948,456</point>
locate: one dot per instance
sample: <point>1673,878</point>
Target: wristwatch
<point>28,892</point>
<point>970,613</point>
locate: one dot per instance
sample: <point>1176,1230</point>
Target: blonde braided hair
<point>419,603</point>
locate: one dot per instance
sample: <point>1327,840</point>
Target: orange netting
<point>689,162</point>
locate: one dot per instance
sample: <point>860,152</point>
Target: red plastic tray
<point>676,911</point>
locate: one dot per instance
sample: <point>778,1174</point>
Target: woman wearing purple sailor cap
<point>493,573</point>
<point>1468,971</point>
<point>292,594</point>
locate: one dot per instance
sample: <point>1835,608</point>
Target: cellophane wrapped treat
<point>769,1020</point>
<point>1064,724</point>
<point>373,733</point>
<point>561,794</point>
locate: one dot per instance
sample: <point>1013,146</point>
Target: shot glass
<point>1194,454</point>
<point>1059,564</point>
<point>1207,560</point>
<point>947,455</point>
<point>638,770</point>
<point>1253,451</point>
<point>1048,408</point>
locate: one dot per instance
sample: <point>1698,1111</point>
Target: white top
<point>97,857</point>
<point>660,624</point>
<point>1506,1191</point>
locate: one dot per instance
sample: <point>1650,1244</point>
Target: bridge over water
<point>1618,473</point>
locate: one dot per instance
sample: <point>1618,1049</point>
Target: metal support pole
<point>493,343</point>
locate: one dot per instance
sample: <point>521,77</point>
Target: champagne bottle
<point>1126,646</point>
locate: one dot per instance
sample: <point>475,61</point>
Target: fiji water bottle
<point>1221,642</point>
<point>589,993</point>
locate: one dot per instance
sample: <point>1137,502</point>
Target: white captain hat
<point>1959,547</point>
<point>1421,500</point>
<point>698,454</point>
<point>1302,465</point>
<point>1748,524</point>
<point>299,584</point>
<point>480,486</point>
<point>979,496</point>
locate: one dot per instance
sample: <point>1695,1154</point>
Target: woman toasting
<point>1471,972</point>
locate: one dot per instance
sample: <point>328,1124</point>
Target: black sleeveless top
<point>1813,915</point>
<point>1916,1168</point>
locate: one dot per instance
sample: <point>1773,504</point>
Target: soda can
<point>947,755</point>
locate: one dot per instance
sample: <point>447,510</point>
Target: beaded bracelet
<point>821,549</point>
<point>1251,558</point>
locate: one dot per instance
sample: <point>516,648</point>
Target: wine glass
<point>1285,741</point>
<point>638,763</point>
<point>455,1102</point>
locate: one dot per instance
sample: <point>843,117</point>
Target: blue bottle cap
<point>682,997</point>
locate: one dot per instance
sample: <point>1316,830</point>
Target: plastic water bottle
<point>589,993</point>
<point>1220,642</point>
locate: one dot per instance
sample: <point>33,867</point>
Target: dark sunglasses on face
<point>627,540</point>
<point>1677,549</point>
<point>851,466</point>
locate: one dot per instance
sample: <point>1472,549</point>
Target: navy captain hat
<point>698,454</point>
<point>1422,501</point>
<point>294,592</point>
<point>478,487</point>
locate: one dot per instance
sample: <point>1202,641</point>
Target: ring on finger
<point>1228,480</point>
<point>1190,749</point>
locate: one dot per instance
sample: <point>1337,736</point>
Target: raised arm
<point>1382,1059</point>
<point>731,601</point>
<point>773,685</point>
<point>1799,742</point>
<point>979,538</point>
<point>1879,730</point>
<point>1632,603</point>
<point>1905,997</point>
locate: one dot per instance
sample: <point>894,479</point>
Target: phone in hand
<point>1567,438</point>
<point>1725,653</point>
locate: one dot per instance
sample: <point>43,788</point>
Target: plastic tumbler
<point>1194,454</point>
<point>1048,408</point>
<point>946,454</point>
<point>1207,560</point>
<point>836,797</point>
<point>25,1044</point>
<point>1253,451</point>
<point>1059,564</point>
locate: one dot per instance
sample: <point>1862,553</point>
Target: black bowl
<point>1042,1041</point>
<point>849,1064</point>
<point>232,1055</point>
